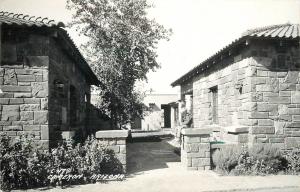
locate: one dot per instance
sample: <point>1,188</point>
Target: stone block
<point>292,77</point>
<point>294,111</point>
<point>44,104</point>
<point>5,123</point>
<point>12,128</point>
<point>10,113</point>
<point>291,142</point>
<point>296,134</point>
<point>200,162</point>
<point>263,88</point>
<point>16,101</point>
<point>276,140</point>
<point>30,107</point>
<point>282,109</point>
<point>32,101</point>
<point>283,100</point>
<point>26,78</point>
<point>22,95</point>
<point>296,117</point>
<point>121,142</point>
<point>41,117</point>
<point>6,95</point>
<point>263,130</point>
<point>24,71</point>
<point>259,115</point>
<point>30,122</point>
<point>10,77</point>
<point>13,88</point>
<point>38,78</point>
<point>193,147</point>
<point>188,139</point>
<point>266,122</point>
<point>285,117</point>
<point>37,61</point>
<point>31,127</point>
<point>26,115</point>
<point>40,89</point>
<point>4,101</point>
<point>123,149</point>
<point>296,97</point>
<point>112,134</point>
<point>294,125</point>
<point>257,97</point>
<point>279,127</point>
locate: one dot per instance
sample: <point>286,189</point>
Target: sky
<point>200,28</point>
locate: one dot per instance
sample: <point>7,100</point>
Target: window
<point>214,104</point>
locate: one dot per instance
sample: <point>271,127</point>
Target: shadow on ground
<point>145,154</point>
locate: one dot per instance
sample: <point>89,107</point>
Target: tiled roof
<point>284,31</point>
<point>31,21</point>
<point>21,19</point>
<point>279,31</point>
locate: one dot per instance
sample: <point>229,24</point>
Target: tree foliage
<point>121,49</point>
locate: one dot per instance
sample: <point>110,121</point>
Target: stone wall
<point>69,94</point>
<point>275,97</point>
<point>195,149</point>
<point>233,84</point>
<point>115,140</point>
<point>43,90</point>
<point>258,95</point>
<point>24,84</point>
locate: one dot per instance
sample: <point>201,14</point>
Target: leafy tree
<point>121,49</point>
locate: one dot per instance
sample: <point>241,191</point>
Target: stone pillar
<point>195,149</point>
<point>116,141</point>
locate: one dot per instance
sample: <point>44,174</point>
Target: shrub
<point>226,158</point>
<point>260,159</point>
<point>293,161</point>
<point>23,166</point>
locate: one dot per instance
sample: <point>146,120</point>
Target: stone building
<point>44,80</point>
<point>160,111</point>
<point>249,91</point>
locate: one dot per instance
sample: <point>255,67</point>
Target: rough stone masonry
<point>44,82</point>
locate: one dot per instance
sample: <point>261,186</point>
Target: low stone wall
<point>116,141</point>
<point>195,149</point>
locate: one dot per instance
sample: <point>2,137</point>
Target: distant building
<point>161,111</point>
<point>249,91</point>
<point>44,80</point>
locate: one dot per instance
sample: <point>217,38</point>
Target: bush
<point>261,159</point>
<point>226,158</point>
<point>23,166</point>
<point>293,161</point>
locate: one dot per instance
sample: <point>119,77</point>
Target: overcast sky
<point>200,27</point>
